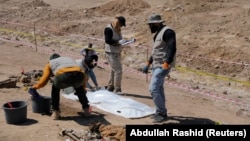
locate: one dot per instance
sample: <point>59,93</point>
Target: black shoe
<point>152,116</point>
<point>110,88</point>
<point>159,118</point>
<point>118,91</point>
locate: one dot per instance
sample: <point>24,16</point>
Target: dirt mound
<point>35,3</point>
<point>131,7</point>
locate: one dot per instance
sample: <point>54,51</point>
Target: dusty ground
<point>210,83</point>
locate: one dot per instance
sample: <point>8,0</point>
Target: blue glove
<point>145,69</point>
<point>34,93</point>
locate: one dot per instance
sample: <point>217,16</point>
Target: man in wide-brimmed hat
<point>162,59</point>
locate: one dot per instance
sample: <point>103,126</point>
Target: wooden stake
<point>35,36</point>
<point>147,73</point>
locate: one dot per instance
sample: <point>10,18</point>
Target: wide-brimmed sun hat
<point>155,18</point>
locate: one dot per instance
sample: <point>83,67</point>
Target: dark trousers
<point>69,79</point>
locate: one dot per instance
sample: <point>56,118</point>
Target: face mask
<point>153,28</point>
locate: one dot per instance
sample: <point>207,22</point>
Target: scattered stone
<point>8,83</point>
<point>225,92</point>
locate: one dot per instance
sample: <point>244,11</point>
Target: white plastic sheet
<point>115,104</point>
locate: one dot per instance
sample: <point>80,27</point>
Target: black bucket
<point>41,104</point>
<point>15,112</point>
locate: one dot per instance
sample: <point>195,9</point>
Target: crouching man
<point>66,73</point>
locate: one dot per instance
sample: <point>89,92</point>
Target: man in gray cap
<point>162,59</point>
<point>113,49</point>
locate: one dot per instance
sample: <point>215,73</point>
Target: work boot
<point>55,115</point>
<point>87,112</point>
<point>110,88</point>
<point>97,88</point>
<point>118,91</point>
<point>159,118</point>
<point>92,89</point>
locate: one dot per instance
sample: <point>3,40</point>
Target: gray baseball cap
<point>155,18</point>
<point>54,56</point>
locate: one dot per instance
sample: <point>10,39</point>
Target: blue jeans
<point>156,88</point>
<point>92,77</point>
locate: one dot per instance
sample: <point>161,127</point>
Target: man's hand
<point>145,69</point>
<point>117,44</point>
<point>33,92</point>
<point>165,66</point>
<point>86,69</point>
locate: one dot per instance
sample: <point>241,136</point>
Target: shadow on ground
<point>85,121</point>
<point>135,95</point>
<point>180,120</point>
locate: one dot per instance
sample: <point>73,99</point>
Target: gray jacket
<point>114,48</point>
<point>160,52</point>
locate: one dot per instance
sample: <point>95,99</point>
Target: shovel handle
<point>10,105</point>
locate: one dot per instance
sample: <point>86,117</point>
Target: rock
<point>9,83</point>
